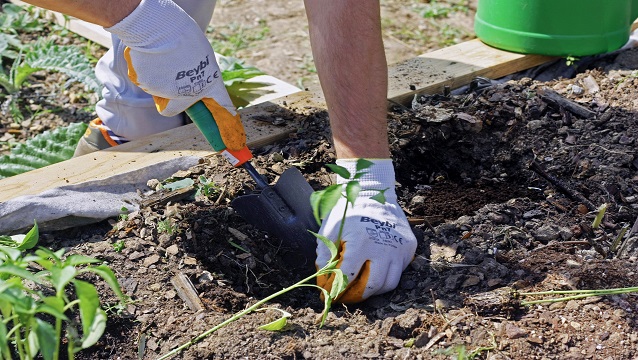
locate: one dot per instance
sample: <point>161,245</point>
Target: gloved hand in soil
<point>170,58</point>
<point>377,243</point>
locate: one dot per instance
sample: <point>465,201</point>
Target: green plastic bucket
<point>555,27</point>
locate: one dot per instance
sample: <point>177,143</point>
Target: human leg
<point>125,109</point>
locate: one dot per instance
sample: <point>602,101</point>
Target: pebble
<point>546,234</point>
<point>514,332</point>
<point>153,259</point>
<point>172,250</point>
<point>135,255</point>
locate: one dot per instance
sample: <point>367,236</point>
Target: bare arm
<point>105,13</point>
<point>348,51</point>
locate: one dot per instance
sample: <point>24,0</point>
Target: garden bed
<point>501,185</point>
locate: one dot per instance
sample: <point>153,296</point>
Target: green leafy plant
<point>322,202</point>
<point>235,73</point>
<point>21,242</point>
<point>118,246</point>
<point>206,187</point>
<point>166,226</point>
<point>26,310</point>
<point>571,60</point>
<point>44,149</point>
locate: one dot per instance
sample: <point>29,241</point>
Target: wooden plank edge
<point>182,142</point>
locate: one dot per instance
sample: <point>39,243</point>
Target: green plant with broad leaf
<point>322,202</point>
<point>44,149</point>
<point>35,301</point>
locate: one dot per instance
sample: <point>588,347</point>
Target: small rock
<point>172,250</point>
<point>590,84</point>
<point>155,287</point>
<point>572,305</point>
<point>471,280</point>
<point>545,234</point>
<point>170,294</point>
<point>534,125</point>
<point>514,332</point>
<point>190,260</point>
<point>153,259</point>
<point>453,281</point>
<point>417,200</point>
<point>135,255</point>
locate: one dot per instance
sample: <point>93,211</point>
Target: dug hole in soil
<point>501,183</point>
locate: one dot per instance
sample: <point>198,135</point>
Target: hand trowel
<point>283,210</point>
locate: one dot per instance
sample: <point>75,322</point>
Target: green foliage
<point>228,40</point>
<point>44,55</point>
<point>14,19</point>
<point>235,74</point>
<point>206,187</point>
<point>24,308</point>
<point>324,200</point>
<point>21,242</point>
<point>118,246</point>
<point>44,149</point>
<point>166,226</point>
<point>442,9</point>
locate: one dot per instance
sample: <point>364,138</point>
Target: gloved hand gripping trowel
<point>283,210</point>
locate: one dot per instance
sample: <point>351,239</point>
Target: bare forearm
<point>350,60</point>
<point>104,13</point>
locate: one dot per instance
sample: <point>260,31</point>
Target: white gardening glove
<point>170,58</point>
<point>377,243</point>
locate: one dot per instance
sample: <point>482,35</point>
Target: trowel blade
<point>283,210</point>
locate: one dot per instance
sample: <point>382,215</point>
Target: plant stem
<point>578,294</point>
<point>239,315</point>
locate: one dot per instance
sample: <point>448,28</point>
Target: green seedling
<point>571,60</point>
<point>322,202</point>
<point>166,226</point>
<point>206,187</point>
<point>123,214</point>
<point>599,216</point>
<point>24,329</point>
<point>119,246</point>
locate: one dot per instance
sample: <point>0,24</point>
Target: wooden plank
<point>454,66</point>
<point>180,142</point>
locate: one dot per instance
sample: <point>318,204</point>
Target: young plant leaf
<point>363,164</point>
<point>180,184</point>
<point>29,240</point>
<point>46,338</point>
<point>89,303</point>
<point>339,170</point>
<point>5,353</point>
<point>278,324</point>
<point>323,201</point>
<point>60,277</point>
<point>75,260</point>
<point>327,304</point>
<point>97,329</point>
<point>107,274</point>
<point>339,284</point>
<point>328,243</point>
<point>379,197</point>
<point>352,191</point>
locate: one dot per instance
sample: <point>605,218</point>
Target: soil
<point>501,183</point>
